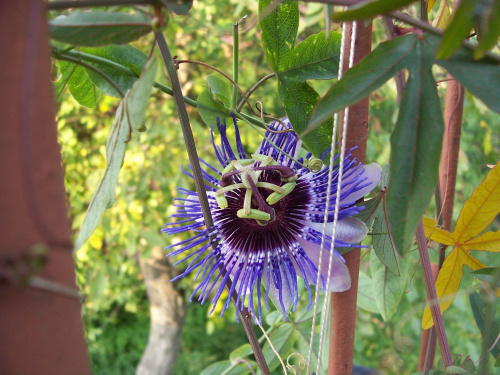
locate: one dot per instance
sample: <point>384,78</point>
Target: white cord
<point>325,218</point>
<point>337,203</point>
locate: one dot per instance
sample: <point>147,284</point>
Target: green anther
<point>264,159</point>
<point>246,161</point>
<point>290,179</point>
<point>227,189</point>
<point>276,197</point>
<point>273,187</point>
<point>228,169</point>
<point>221,201</point>
<point>254,214</point>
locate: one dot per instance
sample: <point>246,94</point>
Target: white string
<point>325,218</point>
<point>337,203</point>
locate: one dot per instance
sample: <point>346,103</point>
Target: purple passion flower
<point>268,213</point>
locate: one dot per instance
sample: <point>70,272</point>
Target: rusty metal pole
<point>40,319</point>
<point>343,305</point>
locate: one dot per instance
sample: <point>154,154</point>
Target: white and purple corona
<point>268,213</point>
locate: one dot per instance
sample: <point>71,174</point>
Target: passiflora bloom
<point>268,213</point>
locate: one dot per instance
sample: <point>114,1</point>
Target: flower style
<point>268,213</point>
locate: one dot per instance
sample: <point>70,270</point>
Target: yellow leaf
<point>447,284</point>
<point>481,208</point>
<point>448,281</point>
<point>470,261</point>
<point>430,4</point>
<point>489,241</point>
<point>443,16</point>
<point>437,234</point>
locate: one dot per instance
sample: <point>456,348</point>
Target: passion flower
<point>268,211</point>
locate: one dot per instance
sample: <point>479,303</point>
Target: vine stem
<point>432,295</point>
<point>236,47</point>
<point>168,60</point>
<point>252,89</point>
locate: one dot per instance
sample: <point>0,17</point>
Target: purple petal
<point>274,293</point>
<point>349,229</point>
<point>371,175</point>
<point>339,277</point>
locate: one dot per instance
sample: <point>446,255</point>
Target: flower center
<point>249,171</point>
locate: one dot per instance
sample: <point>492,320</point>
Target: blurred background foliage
<point>115,308</point>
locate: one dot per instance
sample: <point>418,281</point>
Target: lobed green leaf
<point>415,150</point>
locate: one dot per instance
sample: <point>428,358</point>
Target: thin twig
<point>252,89</point>
<point>178,62</point>
<point>200,188</point>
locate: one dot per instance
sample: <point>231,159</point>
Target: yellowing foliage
<point>478,212</point>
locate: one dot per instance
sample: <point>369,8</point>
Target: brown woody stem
<point>343,305</point>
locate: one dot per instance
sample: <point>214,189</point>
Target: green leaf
<point>366,298</point>
<point>220,89</point>
<point>387,288</point>
<point>374,215</point>
<point>458,30</point>
<point>279,21</point>
<point>314,58</point>
<point>82,88</point>
<point>98,28</point>
<point>79,84</point>
<point>65,70</point>
<point>363,78</point>
<point>317,57</point>
<point>227,368</point>
<point>455,370</point>
<point>382,241</point>
<point>209,109</point>
<point>129,116</point>
<point>180,7</point>
<point>370,9</point>
<point>415,150</point>
<point>480,77</point>
<point>280,338</point>
<point>491,33</point>
<point>477,304</point>
<point>487,274</point>
<point>299,100</point>
<point>273,317</point>
<point>129,58</point>
<point>242,352</point>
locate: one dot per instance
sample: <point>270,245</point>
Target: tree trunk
<point>168,310</point>
<point>41,330</point>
